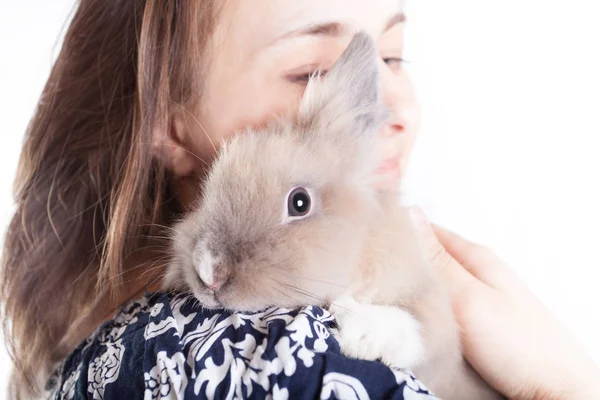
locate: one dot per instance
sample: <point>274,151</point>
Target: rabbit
<point>288,216</point>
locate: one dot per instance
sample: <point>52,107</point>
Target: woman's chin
<point>387,180</point>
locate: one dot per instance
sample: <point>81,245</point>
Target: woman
<point>137,103</point>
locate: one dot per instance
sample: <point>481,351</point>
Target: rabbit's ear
<point>347,99</point>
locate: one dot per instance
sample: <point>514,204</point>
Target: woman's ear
<point>173,146</point>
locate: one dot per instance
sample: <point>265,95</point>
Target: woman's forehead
<point>265,21</point>
<point>371,16</point>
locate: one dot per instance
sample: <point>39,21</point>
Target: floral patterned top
<point>164,346</point>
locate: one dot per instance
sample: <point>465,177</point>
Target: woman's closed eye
<point>394,63</point>
<point>304,77</point>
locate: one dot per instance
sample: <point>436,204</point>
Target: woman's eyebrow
<point>333,29</point>
<point>399,18</point>
<point>321,29</point>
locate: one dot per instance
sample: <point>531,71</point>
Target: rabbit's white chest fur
<point>372,332</point>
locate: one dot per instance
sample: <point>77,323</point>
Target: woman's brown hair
<point>88,189</point>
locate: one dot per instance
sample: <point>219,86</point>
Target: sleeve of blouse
<point>169,348</point>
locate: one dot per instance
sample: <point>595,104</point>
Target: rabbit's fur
<point>355,251</point>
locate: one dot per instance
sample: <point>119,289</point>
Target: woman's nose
<point>398,97</point>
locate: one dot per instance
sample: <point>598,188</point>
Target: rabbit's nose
<point>219,277</point>
<point>212,272</point>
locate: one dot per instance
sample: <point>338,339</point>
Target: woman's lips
<point>389,165</point>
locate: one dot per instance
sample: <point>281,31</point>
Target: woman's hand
<point>508,335</point>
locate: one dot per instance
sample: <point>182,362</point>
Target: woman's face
<point>261,55</point>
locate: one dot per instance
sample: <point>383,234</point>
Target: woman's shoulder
<point>168,346</point>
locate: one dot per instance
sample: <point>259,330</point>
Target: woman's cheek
<point>272,100</point>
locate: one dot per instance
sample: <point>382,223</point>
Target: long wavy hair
<point>88,189</point>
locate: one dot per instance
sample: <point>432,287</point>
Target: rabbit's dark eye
<point>299,203</point>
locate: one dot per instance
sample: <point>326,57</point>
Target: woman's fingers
<point>456,277</point>
<point>481,262</point>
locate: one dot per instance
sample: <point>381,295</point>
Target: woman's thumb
<point>455,276</point>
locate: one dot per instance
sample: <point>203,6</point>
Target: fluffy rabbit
<point>288,216</point>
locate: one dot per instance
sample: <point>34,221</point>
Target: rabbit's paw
<point>372,332</point>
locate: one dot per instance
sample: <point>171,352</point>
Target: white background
<point>508,154</point>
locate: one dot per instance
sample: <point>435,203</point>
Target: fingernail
<point>419,219</point>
